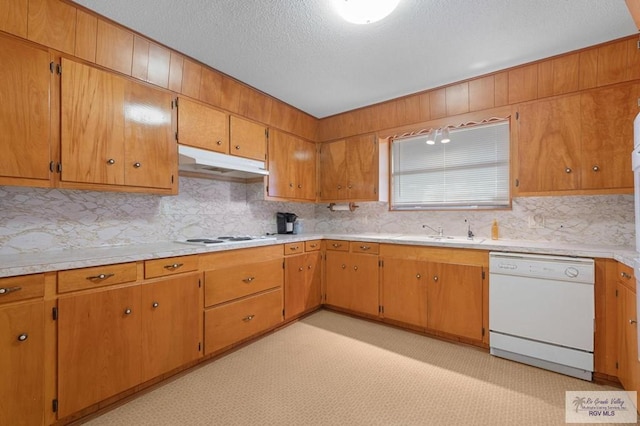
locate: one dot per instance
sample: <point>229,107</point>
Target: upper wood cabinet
<point>202,126</point>
<point>25,80</point>
<point>349,169</point>
<point>114,48</point>
<point>115,132</point>
<point>14,18</point>
<point>584,139</point>
<point>52,23</point>
<point>292,167</point>
<point>247,139</point>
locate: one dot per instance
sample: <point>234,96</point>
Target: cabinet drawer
<point>21,288</point>
<point>364,247</point>
<point>97,276</point>
<point>313,245</point>
<point>222,285</point>
<point>230,323</point>
<point>293,248</point>
<point>338,245</point>
<point>170,266</point>
<point>626,276</point>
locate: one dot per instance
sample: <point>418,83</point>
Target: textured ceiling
<point>302,53</point>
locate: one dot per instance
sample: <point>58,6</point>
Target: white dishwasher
<point>542,312</point>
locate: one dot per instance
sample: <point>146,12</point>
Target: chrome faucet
<point>470,234</point>
<point>439,231</point>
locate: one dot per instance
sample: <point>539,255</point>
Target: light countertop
<point>54,260</point>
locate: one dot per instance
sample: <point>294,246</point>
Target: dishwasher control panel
<point>541,266</point>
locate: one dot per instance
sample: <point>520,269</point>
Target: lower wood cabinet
<point>114,339</point>
<point>302,283</point>
<point>352,280</point>
<point>404,291</point>
<point>628,365</point>
<point>22,363</point>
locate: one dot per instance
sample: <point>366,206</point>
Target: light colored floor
<point>331,369</point>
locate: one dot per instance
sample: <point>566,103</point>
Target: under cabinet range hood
<point>222,165</point>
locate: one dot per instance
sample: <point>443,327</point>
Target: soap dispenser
<point>494,230</point>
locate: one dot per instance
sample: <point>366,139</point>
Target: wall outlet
<point>536,221</point>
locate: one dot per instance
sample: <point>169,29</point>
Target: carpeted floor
<point>331,369</point>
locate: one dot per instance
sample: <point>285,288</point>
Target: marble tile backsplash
<point>34,219</point>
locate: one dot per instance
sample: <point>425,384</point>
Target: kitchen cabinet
<point>352,277</point>
<point>14,18</point>
<point>202,126</point>
<point>292,167</point>
<point>25,142</point>
<point>22,350</point>
<point>247,139</point>
<point>349,170</point>
<point>115,132</point>
<point>243,295</point>
<point>437,289</point>
<point>113,338</point>
<point>303,278</point>
<point>584,141</point>
<point>628,364</point>
<point>52,23</point>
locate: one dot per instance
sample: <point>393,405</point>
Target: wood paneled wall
<point>597,66</point>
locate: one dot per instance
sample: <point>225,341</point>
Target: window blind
<point>471,171</point>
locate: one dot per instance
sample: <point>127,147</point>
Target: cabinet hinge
<point>171,179</point>
<point>283,312</point>
<point>616,292</point>
<point>381,263</point>
<point>199,283</point>
<point>267,189</point>
<point>482,331</point>
<point>52,66</point>
<point>54,405</point>
<point>266,133</point>
<point>52,166</point>
<point>639,102</point>
<point>616,365</point>
<point>199,346</point>
<point>517,115</point>
<point>175,102</point>
<point>638,44</point>
<point>176,136</point>
<point>517,183</point>
<point>54,313</point>
<point>381,309</point>
<point>483,275</point>
<point>59,69</point>
<point>375,190</point>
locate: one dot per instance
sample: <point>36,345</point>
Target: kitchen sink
<point>445,239</point>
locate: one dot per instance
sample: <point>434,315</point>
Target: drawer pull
<point>174,266</point>
<point>22,337</point>
<point>248,318</point>
<point>155,304</point>
<point>100,277</point>
<point>300,269</point>
<point>127,311</point>
<point>355,268</point>
<point>294,248</point>
<point>632,321</point>
<point>625,275</point>
<point>313,245</point>
<point>336,245</point>
<point>248,279</point>
<point>7,290</point>
<point>435,278</point>
<point>344,266</point>
<point>418,276</point>
<point>364,248</point>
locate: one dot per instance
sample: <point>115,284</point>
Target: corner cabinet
<point>302,278</point>
<point>585,140</point>
<point>115,133</point>
<point>25,143</point>
<point>292,167</point>
<point>349,170</point>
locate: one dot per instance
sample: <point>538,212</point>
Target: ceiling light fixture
<point>365,11</point>
<point>431,137</point>
<point>445,135</point>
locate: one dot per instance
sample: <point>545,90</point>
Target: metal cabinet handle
<point>308,266</point>
<point>300,269</point>
<point>355,268</point>
<point>248,318</point>
<point>155,304</point>
<point>418,276</point>
<point>294,248</point>
<point>336,245</point>
<point>299,185</point>
<point>218,142</point>
<point>173,266</point>
<point>127,311</point>
<point>435,278</point>
<point>568,170</point>
<point>313,245</point>
<point>344,266</point>
<point>339,186</point>
<point>595,168</point>
<point>290,184</point>
<point>111,161</point>
<point>365,247</point>
<point>625,275</point>
<point>632,321</point>
<point>100,277</point>
<point>7,290</point>
<point>22,337</point>
<point>237,146</point>
<point>137,165</point>
<point>349,186</point>
<point>248,279</point>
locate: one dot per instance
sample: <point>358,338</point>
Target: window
<point>469,172</point>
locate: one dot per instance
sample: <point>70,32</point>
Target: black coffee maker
<point>285,222</point>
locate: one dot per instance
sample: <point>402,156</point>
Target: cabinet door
<point>98,347</point>
<point>171,315</point>
<point>363,280</point>
<point>202,126</point>
<point>305,170</point>
<point>607,136</point>
<point>24,112</point>
<point>454,299</point>
<point>404,291</point>
<point>549,145</point>
<point>333,171</point>
<point>248,139</point>
<point>302,284</point>
<point>338,287</point>
<point>362,164</point>
<point>282,165</point>
<point>150,151</point>
<point>92,144</point>
<point>628,365</point>
<point>22,360</point>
